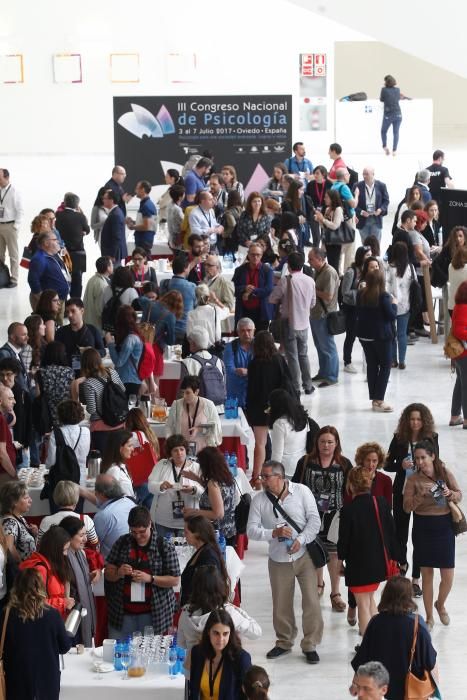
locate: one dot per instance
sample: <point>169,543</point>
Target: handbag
<point>344,234</point>
<point>26,257</point>
<point>146,330</point>
<point>453,347</point>
<point>415,293</point>
<point>2,668</point>
<point>317,550</point>
<point>459,523</point>
<point>242,511</point>
<point>392,566</point>
<point>141,461</point>
<point>335,320</point>
<point>416,688</point>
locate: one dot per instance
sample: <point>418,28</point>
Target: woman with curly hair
<point>416,423</point>
<point>325,471</point>
<point>371,457</point>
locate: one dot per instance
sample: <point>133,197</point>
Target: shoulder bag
<point>242,511</point>
<point>141,461</point>
<point>453,347</point>
<point>147,330</point>
<point>2,668</point>
<point>335,320</point>
<point>317,551</point>
<point>344,234</point>
<point>392,567</point>
<point>415,293</point>
<point>417,688</point>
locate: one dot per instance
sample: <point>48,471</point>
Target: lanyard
<point>370,193</point>
<point>212,678</point>
<point>208,218</point>
<point>191,423</point>
<point>5,194</point>
<point>320,193</point>
<point>174,471</point>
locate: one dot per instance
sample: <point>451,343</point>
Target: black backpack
<point>66,467</point>
<point>109,312</point>
<point>242,511</point>
<point>114,403</point>
<point>4,276</point>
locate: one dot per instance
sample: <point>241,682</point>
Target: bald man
<point>372,205</point>
<point>7,448</point>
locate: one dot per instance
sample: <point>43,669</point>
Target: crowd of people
<point>73,390</point>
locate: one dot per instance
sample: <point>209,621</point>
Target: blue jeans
<point>326,349</point>
<point>378,366</point>
<point>143,497</point>
<point>400,344</point>
<point>132,623</point>
<point>371,228</point>
<point>162,530</point>
<point>396,123</point>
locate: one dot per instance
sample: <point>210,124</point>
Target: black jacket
<point>233,673</point>
<point>397,452</point>
<point>205,556</point>
<point>360,543</point>
<point>72,225</point>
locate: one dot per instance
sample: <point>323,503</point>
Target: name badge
<point>323,502</point>
<point>137,592</point>
<point>177,509</point>
<point>370,208</point>
<point>192,449</point>
<point>76,362</point>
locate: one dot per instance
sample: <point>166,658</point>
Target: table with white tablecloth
<point>79,680</point>
<point>236,435</point>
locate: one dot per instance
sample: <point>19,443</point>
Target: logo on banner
<point>141,122</point>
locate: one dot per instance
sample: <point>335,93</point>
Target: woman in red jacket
<point>51,561</point>
<point>459,330</point>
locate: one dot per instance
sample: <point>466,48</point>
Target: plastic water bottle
<point>233,464</point>
<point>168,537</point>
<point>234,413</point>
<point>227,458</point>
<point>222,543</point>
<point>118,649</point>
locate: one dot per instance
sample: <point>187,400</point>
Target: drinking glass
<point>125,662</point>
<point>98,666</point>
<point>148,631</point>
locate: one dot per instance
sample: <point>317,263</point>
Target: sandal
<point>337,605</point>
<point>443,615</point>
<point>352,616</point>
<point>457,421</point>
<point>320,589</point>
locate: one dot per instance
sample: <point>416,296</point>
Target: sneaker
<point>276,652</point>
<point>381,407</point>
<point>416,591</point>
<point>311,657</point>
<point>422,333</point>
<point>350,369</point>
<point>402,365</point>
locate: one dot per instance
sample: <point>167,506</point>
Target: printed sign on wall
<point>313,91</point>
<point>250,132</point>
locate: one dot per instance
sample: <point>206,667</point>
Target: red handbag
<point>141,462</point>
<point>392,566</point>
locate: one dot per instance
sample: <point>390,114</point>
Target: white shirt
<point>456,277</point>
<point>399,287</point>
<point>288,445</point>
<point>201,220</point>
<point>70,435</point>
<point>300,505</point>
<point>120,474</point>
<point>12,205</point>
<point>57,518</point>
<point>207,317</point>
<point>161,509</point>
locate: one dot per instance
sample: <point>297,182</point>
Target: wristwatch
<point>153,580</point>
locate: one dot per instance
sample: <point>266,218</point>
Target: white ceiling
<point>432,31</point>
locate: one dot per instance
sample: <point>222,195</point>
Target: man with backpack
<point>349,202</point>
<point>209,368</point>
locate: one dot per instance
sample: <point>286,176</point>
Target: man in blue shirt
<point>348,200</point>
<point>299,166</point>
<point>179,283</point>
<point>195,182</point>
<point>237,356</point>
<point>47,270</point>
<point>146,219</point>
<point>111,519</point>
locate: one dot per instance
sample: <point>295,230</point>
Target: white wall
<point>56,137</point>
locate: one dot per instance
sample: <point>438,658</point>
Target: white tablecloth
<point>159,247</point>
<point>79,681</point>
<point>237,427</point>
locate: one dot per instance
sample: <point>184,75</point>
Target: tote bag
<point>141,461</point>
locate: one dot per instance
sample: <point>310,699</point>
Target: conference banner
<point>251,132</point>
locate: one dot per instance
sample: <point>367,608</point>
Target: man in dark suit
<point>372,205</point>
<point>253,282</point>
<point>113,239</point>
<point>116,185</point>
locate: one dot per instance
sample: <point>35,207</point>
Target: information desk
<point>79,681</point>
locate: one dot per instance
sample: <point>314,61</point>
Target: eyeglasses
<point>265,477</point>
<point>55,301</point>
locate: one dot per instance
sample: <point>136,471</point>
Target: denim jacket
<point>126,359</point>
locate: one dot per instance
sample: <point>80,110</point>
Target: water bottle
<point>118,649</point>
<point>233,464</point>
<point>410,471</point>
<point>222,543</point>
<point>168,537</point>
<point>227,458</point>
<point>235,408</point>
